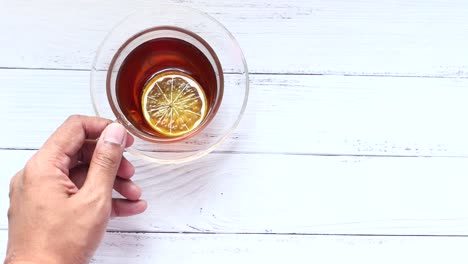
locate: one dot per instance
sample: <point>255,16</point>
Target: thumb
<point>106,160</point>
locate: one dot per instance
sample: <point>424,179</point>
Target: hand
<point>61,201</point>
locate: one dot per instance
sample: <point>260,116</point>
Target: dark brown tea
<point>167,88</point>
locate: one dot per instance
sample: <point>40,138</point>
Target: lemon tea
<point>168,88</point>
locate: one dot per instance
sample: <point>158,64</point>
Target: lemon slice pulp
<point>173,103</point>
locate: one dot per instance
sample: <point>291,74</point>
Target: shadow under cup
<point>226,92</point>
<point>153,52</point>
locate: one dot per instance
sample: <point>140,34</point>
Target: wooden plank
<point>286,114</point>
<point>196,248</point>
<point>293,194</point>
<point>391,37</point>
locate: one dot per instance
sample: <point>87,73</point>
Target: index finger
<point>68,139</point>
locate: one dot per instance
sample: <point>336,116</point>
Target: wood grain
<point>329,115</point>
<point>194,248</point>
<point>335,139</point>
<point>391,37</point>
<point>250,193</point>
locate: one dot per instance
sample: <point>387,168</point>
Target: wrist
<point>32,254</point>
<point>20,259</point>
<point>20,262</point>
<point>42,261</point>
<point>34,259</point>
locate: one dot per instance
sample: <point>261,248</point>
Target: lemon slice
<point>173,103</point>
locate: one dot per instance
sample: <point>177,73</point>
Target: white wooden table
<point>353,148</point>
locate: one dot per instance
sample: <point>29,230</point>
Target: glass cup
<point>209,37</point>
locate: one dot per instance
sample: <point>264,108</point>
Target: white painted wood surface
<point>265,193</point>
<point>385,37</point>
<point>333,115</point>
<point>372,85</point>
<point>124,248</point>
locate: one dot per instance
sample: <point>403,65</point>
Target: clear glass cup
<point>207,35</point>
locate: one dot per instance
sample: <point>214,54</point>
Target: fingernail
<point>115,133</point>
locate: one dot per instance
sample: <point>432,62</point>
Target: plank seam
<point>268,73</point>
<point>278,234</point>
<point>226,152</point>
<point>288,234</point>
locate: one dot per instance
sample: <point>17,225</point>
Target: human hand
<point>61,201</point>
